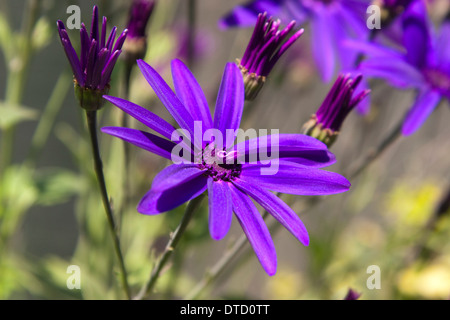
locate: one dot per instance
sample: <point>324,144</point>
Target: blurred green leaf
<point>10,115</point>
<point>41,34</point>
<point>9,276</point>
<point>5,35</point>
<point>57,185</point>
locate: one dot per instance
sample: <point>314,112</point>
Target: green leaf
<point>57,185</point>
<point>18,195</point>
<point>10,115</point>
<point>41,34</point>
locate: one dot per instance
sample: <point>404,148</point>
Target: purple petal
<point>255,229</point>
<point>247,14</point>
<point>297,148</point>
<point>191,94</point>
<point>167,97</point>
<point>85,45</point>
<point>220,209</point>
<point>416,33</point>
<point>94,24</point>
<point>121,40</point>
<point>102,59</point>
<point>230,102</point>
<point>144,116</point>
<point>172,187</point>
<point>108,69</point>
<point>294,179</point>
<point>423,107</point>
<point>277,208</point>
<point>323,46</point>
<point>70,53</point>
<point>397,72</point>
<point>144,140</point>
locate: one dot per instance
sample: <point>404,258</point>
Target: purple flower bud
<point>136,45</point>
<point>98,55</point>
<point>341,99</point>
<point>263,51</point>
<point>139,15</point>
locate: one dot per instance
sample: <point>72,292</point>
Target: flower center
<point>219,164</point>
<point>438,79</point>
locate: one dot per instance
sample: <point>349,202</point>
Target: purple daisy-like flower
<point>231,184</point>
<point>331,22</point>
<point>425,66</point>
<point>98,55</point>
<point>342,98</point>
<point>263,51</point>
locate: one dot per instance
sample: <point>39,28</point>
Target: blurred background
<point>388,218</point>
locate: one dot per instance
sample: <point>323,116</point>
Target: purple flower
<point>98,56</point>
<point>232,184</point>
<point>136,45</point>
<point>340,100</point>
<point>140,13</point>
<point>263,51</point>
<point>331,22</point>
<point>425,66</point>
<point>352,295</point>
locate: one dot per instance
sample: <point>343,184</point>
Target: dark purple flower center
<point>219,165</point>
<point>438,79</point>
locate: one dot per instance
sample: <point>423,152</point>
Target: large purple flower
<point>425,66</point>
<point>230,184</point>
<point>331,22</point>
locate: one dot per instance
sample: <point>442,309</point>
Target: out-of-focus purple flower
<point>263,51</point>
<point>98,56</point>
<point>352,295</point>
<point>331,22</point>
<point>425,66</point>
<point>232,183</point>
<point>139,15</point>
<point>342,98</point>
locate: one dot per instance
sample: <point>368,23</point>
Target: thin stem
<point>124,122</point>
<point>48,117</point>
<point>218,268</point>
<point>170,247</point>
<point>92,125</point>
<point>373,154</point>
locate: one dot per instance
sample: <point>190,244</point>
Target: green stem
<point>17,75</point>
<point>170,247</point>
<point>373,154</point>
<point>124,122</point>
<point>47,118</point>
<point>92,126</point>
